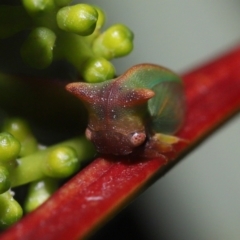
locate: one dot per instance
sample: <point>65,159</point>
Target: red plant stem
<point>106,185</point>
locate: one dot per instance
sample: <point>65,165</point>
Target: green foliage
<point>52,30</point>
<point>57,30</point>
<point>10,210</point>
<point>22,162</point>
<point>39,192</point>
<point>9,147</point>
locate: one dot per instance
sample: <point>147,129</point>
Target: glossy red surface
<point>106,185</point>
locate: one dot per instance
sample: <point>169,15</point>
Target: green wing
<point>167,107</point>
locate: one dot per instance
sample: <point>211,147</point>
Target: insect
<point>136,113</point>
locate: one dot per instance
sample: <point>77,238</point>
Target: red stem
<point>106,185</point>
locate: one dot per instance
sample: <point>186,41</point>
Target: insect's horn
<point>81,90</point>
<point>136,97</point>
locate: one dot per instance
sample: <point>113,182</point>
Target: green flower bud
<point>61,162</point>
<point>28,146</point>
<point>5,183</point>
<point>62,3</point>
<point>18,127</point>
<point>97,70</point>
<point>22,132</point>
<point>38,7</point>
<point>9,147</point>
<point>100,22</point>
<point>101,17</point>
<point>10,210</point>
<point>39,192</point>
<point>80,19</point>
<point>37,50</point>
<point>13,19</point>
<point>117,41</point>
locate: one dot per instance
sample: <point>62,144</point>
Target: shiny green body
<point>132,110</point>
<point>167,107</point>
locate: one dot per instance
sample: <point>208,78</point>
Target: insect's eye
<point>138,138</point>
<point>88,134</point>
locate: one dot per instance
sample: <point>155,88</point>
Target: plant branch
<point>105,186</point>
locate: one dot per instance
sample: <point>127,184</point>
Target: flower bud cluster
<point>57,30</point>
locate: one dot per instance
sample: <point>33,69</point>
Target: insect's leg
<point>166,141</point>
<point>162,145</point>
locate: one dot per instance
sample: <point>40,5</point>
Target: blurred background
<point>199,198</point>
